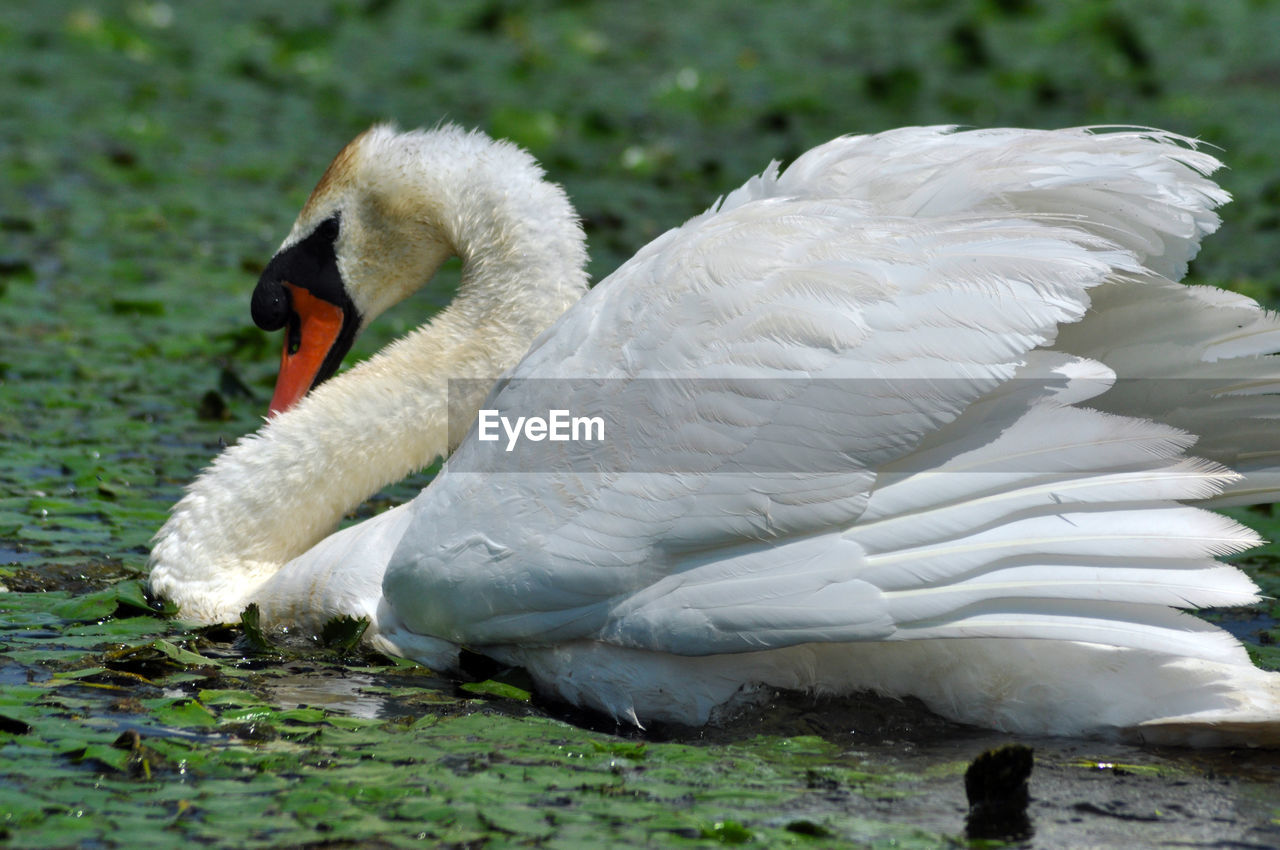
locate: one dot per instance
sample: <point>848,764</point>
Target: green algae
<point>153,155</point>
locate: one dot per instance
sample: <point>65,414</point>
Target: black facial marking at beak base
<point>311,265</point>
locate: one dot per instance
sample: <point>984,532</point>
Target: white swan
<point>944,452</point>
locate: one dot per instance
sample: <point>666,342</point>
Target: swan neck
<point>276,493</point>
<point>523,252</point>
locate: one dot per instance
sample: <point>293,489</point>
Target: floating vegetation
<point>152,156</point>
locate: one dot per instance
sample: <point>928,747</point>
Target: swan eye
<point>328,229</point>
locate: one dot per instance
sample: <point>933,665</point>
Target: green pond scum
<point>153,155</point>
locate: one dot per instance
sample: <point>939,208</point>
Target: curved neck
<point>277,492</point>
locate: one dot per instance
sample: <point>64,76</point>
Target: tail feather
<point>1198,359</point>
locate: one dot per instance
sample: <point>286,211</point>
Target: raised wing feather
<point>1144,189</point>
<point>1200,359</point>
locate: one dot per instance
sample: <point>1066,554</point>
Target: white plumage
<point>924,413</point>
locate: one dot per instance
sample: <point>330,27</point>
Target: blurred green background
<point>153,155</point>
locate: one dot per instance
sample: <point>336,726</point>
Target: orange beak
<point>311,334</point>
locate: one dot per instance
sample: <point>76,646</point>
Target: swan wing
<point>759,368</point>
<point>339,576</point>
<point>966,536</point>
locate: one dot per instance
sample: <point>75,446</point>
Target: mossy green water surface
<point>153,155</point>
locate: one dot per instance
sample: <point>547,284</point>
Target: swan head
<point>389,210</point>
